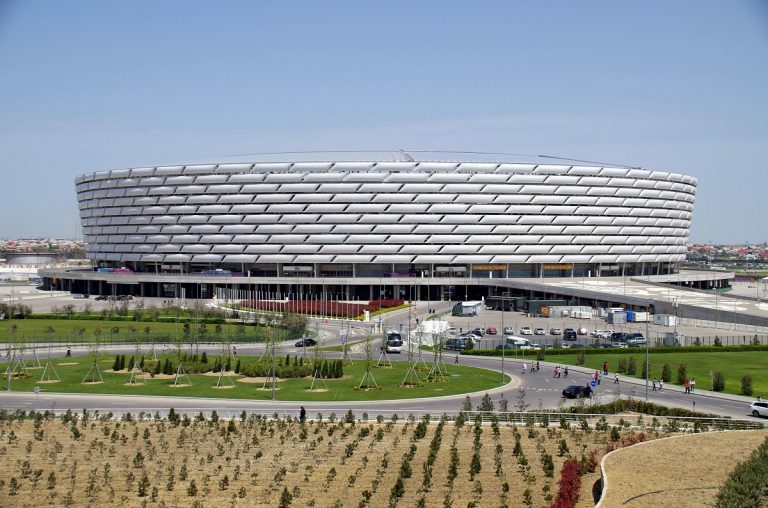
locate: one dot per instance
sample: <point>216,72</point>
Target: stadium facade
<point>306,222</point>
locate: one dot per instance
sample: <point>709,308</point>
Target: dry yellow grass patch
<point>681,471</point>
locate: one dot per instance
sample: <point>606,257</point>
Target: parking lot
<point>516,320</point>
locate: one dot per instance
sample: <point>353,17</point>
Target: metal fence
<point>537,418</point>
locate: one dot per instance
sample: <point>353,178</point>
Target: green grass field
<point>733,365</point>
<point>72,371</point>
<point>39,330</point>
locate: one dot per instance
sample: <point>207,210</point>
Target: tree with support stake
<point>368,382</point>
<point>384,361</point>
<point>438,372</point>
<point>151,339</point>
<point>94,374</point>
<point>270,382</point>
<point>317,375</point>
<point>49,371</point>
<point>136,371</point>
<point>411,377</point>
<point>179,374</point>
<point>421,364</point>
<point>226,350</point>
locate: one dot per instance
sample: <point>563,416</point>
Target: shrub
<point>718,342</point>
<point>580,358</point>
<point>666,373</point>
<point>718,381</point>
<point>682,373</point>
<point>746,385</point>
<point>747,484</point>
<point>486,404</point>
<point>570,483</point>
<point>622,367</point>
<point>631,366</point>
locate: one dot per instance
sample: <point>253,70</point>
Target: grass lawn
<point>733,365</point>
<point>64,330</point>
<point>461,379</point>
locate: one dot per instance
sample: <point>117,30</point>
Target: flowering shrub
<point>570,483</point>
<point>321,308</point>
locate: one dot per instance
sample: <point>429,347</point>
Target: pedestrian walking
<point>687,386</point>
<point>565,372</point>
<point>654,385</point>
<point>69,352</point>
<point>525,367</point>
<point>692,384</point>
<point>234,351</point>
<point>599,378</point>
<point>537,366</point>
<point>605,368</point>
<point>661,384</point>
<point>616,379</point>
<point>302,415</point>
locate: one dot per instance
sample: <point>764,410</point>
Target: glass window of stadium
<point>336,270</point>
<point>374,270</point>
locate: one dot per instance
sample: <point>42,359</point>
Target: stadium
<point>285,224</point>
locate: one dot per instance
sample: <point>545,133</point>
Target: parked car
<point>306,342</point>
<point>506,346</point>
<point>759,408</point>
<point>575,345</point>
<point>569,334</point>
<point>479,331</point>
<point>577,391</point>
<point>101,298</point>
<point>582,331</point>
<point>80,297</point>
<point>458,344</point>
<point>618,336</point>
<point>636,339</point>
<point>555,331</point>
<point>508,330</point>
<point>596,333</point>
<point>526,330</point>
<point>538,331</point>
<point>491,331</point>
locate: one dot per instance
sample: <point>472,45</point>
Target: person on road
<point>525,367</point>
<point>302,415</point>
<point>661,384</point>
<point>605,368</point>
<point>537,366</point>
<point>69,352</point>
<point>234,351</point>
<point>687,385</point>
<point>616,379</point>
<point>692,384</point>
<point>654,384</point>
<point>565,372</point>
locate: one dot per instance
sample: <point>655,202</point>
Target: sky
<point>95,85</point>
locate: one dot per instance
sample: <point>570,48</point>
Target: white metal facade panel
<point>466,208</point>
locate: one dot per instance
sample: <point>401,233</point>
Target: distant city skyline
<point>94,86</point>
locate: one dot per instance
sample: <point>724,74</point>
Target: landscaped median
<point>308,379</point>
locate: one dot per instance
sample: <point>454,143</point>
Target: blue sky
<point>94,85</point>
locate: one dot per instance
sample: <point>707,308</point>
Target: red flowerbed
<point>321,308</point>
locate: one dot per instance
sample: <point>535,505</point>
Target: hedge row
<point>320,307</point>
<point>132,318</point>
<point>638,406</point>
<point>747,485</point>
<point>617,350</point>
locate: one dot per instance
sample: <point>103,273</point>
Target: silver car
<point>759,408</point>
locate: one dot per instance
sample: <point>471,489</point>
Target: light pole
<point>675,304</point>
<point>647,345</point>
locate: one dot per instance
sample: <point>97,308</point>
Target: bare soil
<point>681,471</point>
<point>256,461</point>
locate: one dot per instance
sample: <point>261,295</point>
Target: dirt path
<point>681,471</point>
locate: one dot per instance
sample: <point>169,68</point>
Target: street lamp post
<point>647,345</point>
